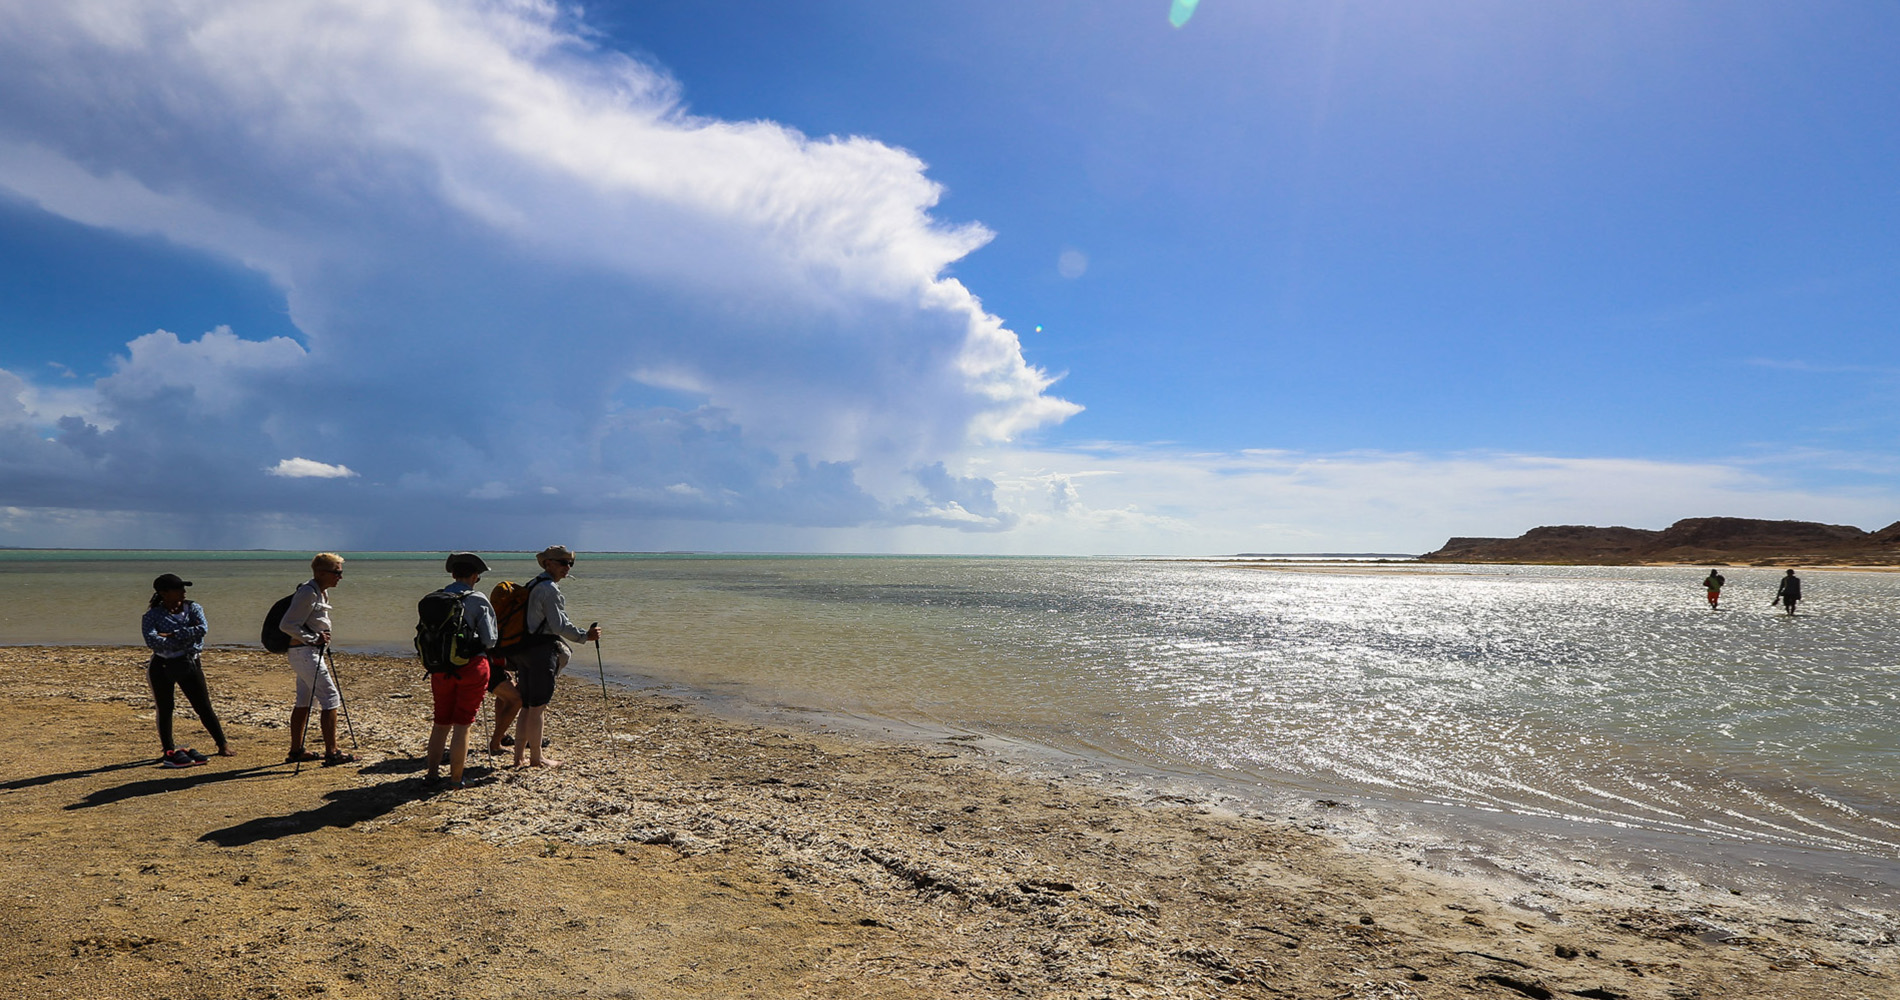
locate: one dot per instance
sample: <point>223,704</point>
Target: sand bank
<point>682,855</point>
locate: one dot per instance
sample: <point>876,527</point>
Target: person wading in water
<point>1713,583</point>
<point>1789,593</point>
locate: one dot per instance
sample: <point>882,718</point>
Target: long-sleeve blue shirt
<point>187,627</point>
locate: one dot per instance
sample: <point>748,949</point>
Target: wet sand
<point>678,854</point>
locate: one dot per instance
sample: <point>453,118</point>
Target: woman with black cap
<point>175,629</point>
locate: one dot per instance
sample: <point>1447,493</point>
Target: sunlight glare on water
<point>1605,695</point>
<point>1608,696</point>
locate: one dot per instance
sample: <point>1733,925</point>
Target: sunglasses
<point>569,563</point>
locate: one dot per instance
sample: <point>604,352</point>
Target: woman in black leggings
<point>175,629</point>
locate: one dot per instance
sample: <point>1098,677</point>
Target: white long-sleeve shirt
<point>308,615</point>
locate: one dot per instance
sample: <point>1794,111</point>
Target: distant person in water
<point>1713,583</point>
<point>1789,593</point>
<point>175,629</point>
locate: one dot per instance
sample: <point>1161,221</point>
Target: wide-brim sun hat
<point>464,563</point>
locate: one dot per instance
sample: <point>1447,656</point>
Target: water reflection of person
<point>174,629</point>
<point>1789,593</point>
<point>1713,583</point>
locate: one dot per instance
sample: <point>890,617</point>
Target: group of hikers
<point>520,675</point>
<point>1787,595</point>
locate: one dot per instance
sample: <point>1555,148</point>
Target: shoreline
<point>822,863</point>
<point>1540,861</point>
<point>1835,884</point>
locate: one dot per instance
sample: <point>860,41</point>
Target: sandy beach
<point>678,854</point>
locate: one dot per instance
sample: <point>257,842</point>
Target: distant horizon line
<point>727,552</point>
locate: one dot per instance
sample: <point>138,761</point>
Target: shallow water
<point>1608,697</point>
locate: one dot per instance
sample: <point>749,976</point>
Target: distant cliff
<point>1692,540</point>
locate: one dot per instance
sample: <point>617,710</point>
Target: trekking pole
<point>340,700</point>
<point>482,709</point>
<point>605,708</point>
<point>303,737</point>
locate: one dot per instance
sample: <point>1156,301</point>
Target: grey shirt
<point>308,615</point>
<point>547,611</point>
<point>480,613</point>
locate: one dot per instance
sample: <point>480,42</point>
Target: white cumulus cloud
<point>303,468</point>
<point>1133,499</point>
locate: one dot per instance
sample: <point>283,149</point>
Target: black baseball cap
<point>169,581</point>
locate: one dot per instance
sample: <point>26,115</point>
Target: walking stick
<point>605,707</point>
<point>340,700</point>
<point>303,737</point>
<point>482,709</point>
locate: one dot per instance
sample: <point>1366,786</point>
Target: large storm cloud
<point>533,291</point>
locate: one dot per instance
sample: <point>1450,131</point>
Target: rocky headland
<point>1728,540</point>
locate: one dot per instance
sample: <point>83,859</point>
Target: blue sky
<point>942,277</point>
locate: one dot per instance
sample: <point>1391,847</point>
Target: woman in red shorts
<point>458,693</point>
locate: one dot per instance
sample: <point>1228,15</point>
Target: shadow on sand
<point>173,781</point>
<point>47,779</point>
<point>343,807</point>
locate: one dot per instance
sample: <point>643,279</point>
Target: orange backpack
<point>510,601</point>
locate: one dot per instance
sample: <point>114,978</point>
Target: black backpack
<point>273,636</point>
<point>444,638</point>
